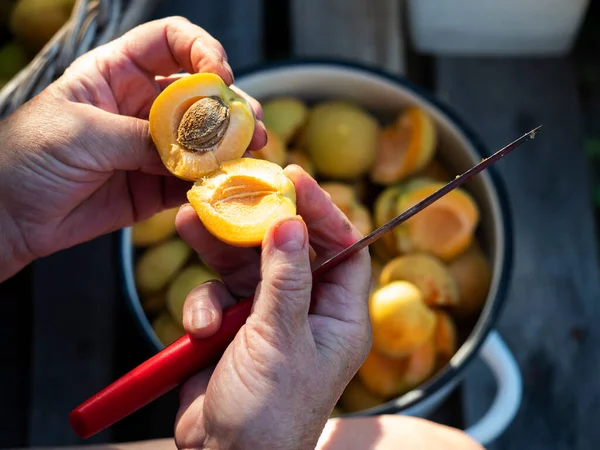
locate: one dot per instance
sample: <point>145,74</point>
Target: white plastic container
<point>494,27</point>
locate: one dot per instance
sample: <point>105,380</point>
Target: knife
<point>186,356</point>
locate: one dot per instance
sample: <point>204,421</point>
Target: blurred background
<point>503,67</point>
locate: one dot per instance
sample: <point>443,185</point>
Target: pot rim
<point>452,372</point>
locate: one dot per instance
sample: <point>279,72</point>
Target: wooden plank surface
<point>551,316</point>
<point>364,31</point>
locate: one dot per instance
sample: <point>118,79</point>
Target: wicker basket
<point>92,23</point>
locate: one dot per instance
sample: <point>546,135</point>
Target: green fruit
<point>342,139</point>
<point>166,329</point>
<point>158,265</point>
<point>12,59</point>
<point>284,116</point>
<point>186,281</point>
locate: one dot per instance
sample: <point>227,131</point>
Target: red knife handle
<point>158,375</point>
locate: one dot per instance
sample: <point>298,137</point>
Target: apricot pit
<point>197,123</point>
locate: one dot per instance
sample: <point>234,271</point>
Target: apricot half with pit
<point>197,123</point>
<point>284,116</point>
<point>238,202</point>
<point>186,281</point>
<point>341,138</point>
<point>428,273</point>
<point>445,228</point>
<point>473,275</point>
<point>401,321</point>
<point>405,147</point>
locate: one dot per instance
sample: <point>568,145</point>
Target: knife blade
<point>186,356</point>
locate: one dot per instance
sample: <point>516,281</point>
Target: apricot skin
<point>473,275</point>
<point>301,159</point>
<point>239,202</point>
<point>273,151</point>
<point>401,321</point>
<point>154,229</point>
<point>166,329</point>
<point>426,272</point>
<point>187,280</point>
<point>285,116</point>
<point>341,139</point>
<point>169,108</point>
<point>344,197</point>
<point>445,337</point>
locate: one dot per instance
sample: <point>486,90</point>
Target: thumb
<point>284,292</point>
<point>124,143</point>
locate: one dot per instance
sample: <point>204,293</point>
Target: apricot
<point>301,159</point>
<point>400,319</point>
<point>166,329</point>
<point>188,279</point>
<point>341,139</point>
<point>240,201</point>
<point>445,337</point>
<point>197,123</point>
<point>473,275</point>
<point>154,229</point>
<point>158,265</point>
<point>356,397</point>
<point>344,197</point>
<point>445,228</point>
<point>405,147</point>
<point>426,272</point>
<point>274,151</point>
<point>285,116</point>
<point>384,210</point>
<point>420,365</point>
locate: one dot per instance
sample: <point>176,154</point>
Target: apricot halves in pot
<point>240,201</point>
<point>197,123</point>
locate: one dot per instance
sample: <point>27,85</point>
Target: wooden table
<point>65,337</point>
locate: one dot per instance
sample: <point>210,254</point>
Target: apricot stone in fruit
<point>405,147</point>
<point>473,275</point>
<point>400,319</point>
<point>274,151</point>
<point>154,229</point>
<point>186,281</point>
<point>356,397</point>
<point>428,273</point>
<point>166,329</point>
<point>344,197</point>
<point>445,337</point>
<point>285,116</point>
<point>445,228</point>
<point>301,159</point>
<point>240,201</point>
<point>197,123</point>
<point>341,139</point>
<point>158,265</point>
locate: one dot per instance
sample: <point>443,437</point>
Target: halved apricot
<point>445,337</point>
<point>301,159</point>
<point>285,116</point>
<point>166,329</point>
<point>356,397</point>
<point>420,365</point>
<point>274,151</point>
<point>445,228</point>
<point>382,375</point>
<point>240,201</point>
<point>341,138</point>
<point>154,229</point>
<point>158,265</point>
<point>197,123</point>
<point>186,281</point>
<point>344,197</point>
<point>473,275</point>
<point>400,319</point>
<point>428,273</point>
<point>405,147</point>
<point>384,210</point>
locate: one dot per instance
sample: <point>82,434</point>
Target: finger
<point>254,104</point>
<point>166,46</point>
<point>189,429</point>
<point>239,268</point>
<point>283,298</point>
<point>203,308</point>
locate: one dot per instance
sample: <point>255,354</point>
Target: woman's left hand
<point>78,160</point>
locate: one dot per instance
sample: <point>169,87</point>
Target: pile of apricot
<point>430,276</point>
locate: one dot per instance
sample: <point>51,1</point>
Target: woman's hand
<point>78,160</point>
<point>277,383</point>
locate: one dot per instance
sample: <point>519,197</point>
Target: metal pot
<point>460,149</point>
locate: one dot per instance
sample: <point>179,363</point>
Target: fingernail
<point>290,235</point>
<point>201,318</point>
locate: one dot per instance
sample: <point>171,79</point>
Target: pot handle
<point>496,355</point>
